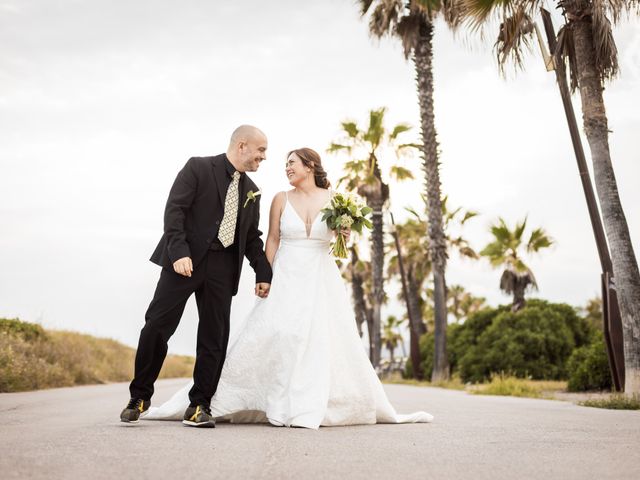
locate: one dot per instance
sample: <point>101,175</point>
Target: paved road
<point>76,433</point>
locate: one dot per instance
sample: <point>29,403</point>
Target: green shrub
<point>534,342</point>
<point>588,367</point>
<point>459,338</point>
<point>25,330</point>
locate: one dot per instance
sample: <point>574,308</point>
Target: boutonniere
<point>251,197</point>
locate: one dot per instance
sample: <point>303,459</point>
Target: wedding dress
<point>297,359</point>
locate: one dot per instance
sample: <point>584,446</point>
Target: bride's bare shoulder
<point>279,200</point>
<point>279,197</point>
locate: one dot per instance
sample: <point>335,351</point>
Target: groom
<point>210,224</point>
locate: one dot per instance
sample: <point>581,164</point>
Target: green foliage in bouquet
<point>346,211</point>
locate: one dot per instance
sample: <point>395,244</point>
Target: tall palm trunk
<point>414,304</point>
<point>423,60</point>
<point>357,292</point>
<point>625,266</point>
<point>416,325</point>
<point>414,315</point>
<point>377,267</point>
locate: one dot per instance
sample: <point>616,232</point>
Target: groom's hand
<point>262,289</point>
<point>183,266</point>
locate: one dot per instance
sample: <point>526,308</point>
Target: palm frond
<point>501,232</point>
<point>412,211</point>
<point>453,13</point>
<point>514,37</point>
<point>538,240</point>
<point>606,52</point>
<point>351,128</point>
<point>566,52</point>
<point>364,6</point>
<point>400,173</point>
<point>519,230</point>
<point>495,253</point>
<point>516,25</point>
<point>398,129</point>
<point>384,17</point>
<point>408,29</point>
<point>413,146</point>
<point>337,147</point>
<point>468,215</point>
<point>508,281</point>
<point>468,252</point>
<point>375,131</point>
<point>481,11</point>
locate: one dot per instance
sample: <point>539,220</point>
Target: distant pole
<point>611,314</point>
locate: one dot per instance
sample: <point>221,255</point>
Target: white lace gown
<point>297,360</point>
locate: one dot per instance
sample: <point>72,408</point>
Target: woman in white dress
<point>297,360</point>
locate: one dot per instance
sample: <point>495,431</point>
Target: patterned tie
<point>228,226</point>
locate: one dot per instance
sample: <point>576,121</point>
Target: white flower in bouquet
<point>346,212</point>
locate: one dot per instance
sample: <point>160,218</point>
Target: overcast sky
<point>102,102</point>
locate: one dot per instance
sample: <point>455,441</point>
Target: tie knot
<point>236,175</point>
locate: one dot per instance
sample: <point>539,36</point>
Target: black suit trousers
<point>212,281</point>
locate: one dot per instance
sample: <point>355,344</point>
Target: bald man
<point>210,224</point>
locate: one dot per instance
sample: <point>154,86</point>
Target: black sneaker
<point>134,410</point>
<point>199,416</point>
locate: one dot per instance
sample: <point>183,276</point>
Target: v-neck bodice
<point>293,229</point>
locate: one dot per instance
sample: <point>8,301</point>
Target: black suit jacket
<point>193,214</point>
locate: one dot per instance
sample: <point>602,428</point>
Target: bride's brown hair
<point>311,159</point>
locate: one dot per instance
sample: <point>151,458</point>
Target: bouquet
<point>346,211</point>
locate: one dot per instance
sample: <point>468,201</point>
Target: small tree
<point>505,252</point>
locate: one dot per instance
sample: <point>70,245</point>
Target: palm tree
<point>504,251</point>
<point>390,335</point>
<point>356,271</point>
<point>586,44</point>
<point>417,268</point>
<point>414,243</point>
<point>364,175</point>
<point>413,22</point>
<point>462,303</point>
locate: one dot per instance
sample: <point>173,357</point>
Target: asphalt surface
<point>76,433</point>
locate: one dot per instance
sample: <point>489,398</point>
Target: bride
<point>297,360</point>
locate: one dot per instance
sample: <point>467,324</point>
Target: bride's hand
<point>346,233</point>
<point>262,289</point>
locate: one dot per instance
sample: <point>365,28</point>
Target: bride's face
<point>296,170</point>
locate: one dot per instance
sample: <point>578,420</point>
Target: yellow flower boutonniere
<point>251,197</point>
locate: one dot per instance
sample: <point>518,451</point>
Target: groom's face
<point>253,152</point>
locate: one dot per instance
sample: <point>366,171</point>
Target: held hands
<point>346,233</point>
<point>262,289</point>
<point>183,266</point>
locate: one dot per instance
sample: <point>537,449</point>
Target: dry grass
<point>32,358</point>
<point>499,385</point>
<point>616,401</point>
<point>508,385</point>
<point>453,384</point>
